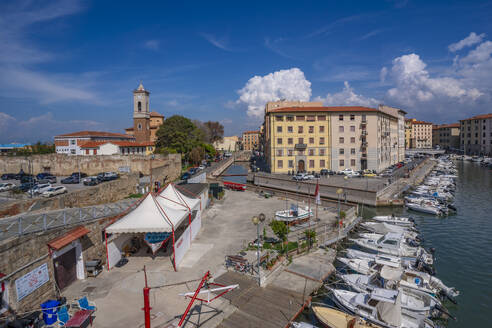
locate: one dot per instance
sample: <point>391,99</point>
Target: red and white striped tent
<point>166,212</point>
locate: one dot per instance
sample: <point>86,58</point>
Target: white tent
<point>162,213</point>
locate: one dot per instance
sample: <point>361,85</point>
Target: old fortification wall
<point>60,164</point>
<point>19,256</point>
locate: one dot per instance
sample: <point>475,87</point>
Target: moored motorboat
<point>334,318</point>
<point>401,221</point>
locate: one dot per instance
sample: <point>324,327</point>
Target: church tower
<point>141,114</point>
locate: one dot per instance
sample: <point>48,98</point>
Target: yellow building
<point>418,134</point>
<point>313,138</point>
<point>227,144</point>
<point>251,140</point>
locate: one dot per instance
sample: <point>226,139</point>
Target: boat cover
<point>390,273</point>
<point>390,312</point>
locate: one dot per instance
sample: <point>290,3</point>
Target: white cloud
<point>470,40</point>
<point>383,74</point>
<point>413,83</point>
<point>290,84</point>
<point>219,43</point>
<point>42,127</point>
<point>152,44</point>
<point>347,97</point>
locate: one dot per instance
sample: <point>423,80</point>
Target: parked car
<point>47,179</point>
<point>299,176</point>
<point>28,178</point>
<point>185,176</point>
<point>227,154</point>
<point>201,167</point>
<point>8,176</point>
<point>192,170</point>
<point>80,175</point>
<point>369,173</point>
<point>308,177</point>
<point>53,191</point>
<point>349,172</point>
<point>26,186</point>
<point>326,172</point>
<point>70,180</point>
<point>271,240</point>
<point>91,181</point>
<point>6,186</point>
<point>40,188</point>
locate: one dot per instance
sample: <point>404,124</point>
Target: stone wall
<point>61,164</point>
<point>19,256</point>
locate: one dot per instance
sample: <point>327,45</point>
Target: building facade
<point>227,144</point>
<point>476,135</point>
<point>250,140</point>
<point>145,122</point>
<point>408,132</point>
<point>71,143</point>
<point>446,136</point>
<point>418,134</point>
<point>117,148</point>
<point>314,138</point>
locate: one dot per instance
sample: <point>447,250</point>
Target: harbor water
<point>463,244</point>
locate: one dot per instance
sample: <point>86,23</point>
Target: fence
<point>26,223</point>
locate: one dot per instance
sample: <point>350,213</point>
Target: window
<point>322,152</point>
<point>341,151</point>
<point>300,129</point>
<point>139,126</point>
<point>341,140</point>
<point>300,140</point>
<point>352,139</point>
<point>321,118</point>
<point>322,141</point>
<point>72,151</point>
<point>311,129</point>
<point>311,152</point>
<point>352,128</point>
<point>280,163</point>
<point>352,151</point>
<point>363,117</point>
<point>279,129</point>
<point>311,163</point>
<point>300,118</point>
<point>95,151</point>
<point>279,118</point>
<point>290,141</point>
<point>290,129</point>
<point>279,152</point>
<point>311,140</point>
<point>352,117</point>
<point>72,142</point>
<point>300,152</point>
<point>290,118</point>
<point>340,117</point>
<point>279,141</point>
<point>321,128</point>
<point>139,106</point>
<point>352,162</point>
<point>311,118</point>
<point>340,128</point>
<point>87,152</point>
<point>290,152</point>
<point>321,163</point>
<point>291,163</point>
<point>341,163</point>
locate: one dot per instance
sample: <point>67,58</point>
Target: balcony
<point>364,132</point>
<point>364,143</point>
<point>300,146</point>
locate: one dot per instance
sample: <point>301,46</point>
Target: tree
<point>280,229</point>
<point>196,155</point>
<point>177,134</point>
<point>216,131</point>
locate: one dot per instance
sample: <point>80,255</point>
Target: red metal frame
<point>235,186</point>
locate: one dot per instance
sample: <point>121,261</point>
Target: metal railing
<point>27,223</point>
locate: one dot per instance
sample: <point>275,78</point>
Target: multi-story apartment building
<point>250,140</point>
<point>446,136</point>
<point>476,135</point>
<point>399,129</point>
<point>312,138</point>
<point>418,134</point>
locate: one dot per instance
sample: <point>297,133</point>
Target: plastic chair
<point>63,316</point>
<point>84,304</point>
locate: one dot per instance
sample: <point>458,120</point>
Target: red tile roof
<point>325,109</point>
<point>421,122</point>
<point>478,117</point>
<point>251,132</point>
<point>95,134</point>
<point>62,241</point>
<point>453,125</point>
<point>155,114</point>
<point>96,144</point>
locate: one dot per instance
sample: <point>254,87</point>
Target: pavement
<point>226,229</point>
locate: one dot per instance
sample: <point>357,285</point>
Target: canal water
<point>463,244</point>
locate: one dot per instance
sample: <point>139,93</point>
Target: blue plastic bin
<point>49,311</point>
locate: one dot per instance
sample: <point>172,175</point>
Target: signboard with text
<point>31,281</point>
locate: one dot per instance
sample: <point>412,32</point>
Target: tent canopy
<point>174,198</point>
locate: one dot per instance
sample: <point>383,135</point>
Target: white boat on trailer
<point>294,215</point>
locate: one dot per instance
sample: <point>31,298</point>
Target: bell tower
<point>141,114</point>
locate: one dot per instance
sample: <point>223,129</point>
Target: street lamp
<point>345,185</point>
<point>257,220</point>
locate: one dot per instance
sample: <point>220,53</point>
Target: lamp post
<point>345,186</point>
<point>257,220</point>
<point>339,192</point>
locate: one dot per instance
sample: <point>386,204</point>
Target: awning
<point>62,241</point>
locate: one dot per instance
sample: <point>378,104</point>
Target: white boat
<point>334,318</point>
<point>400,221</point>
<point>384,310</point>
<point>423,208</point>
<point>409,239</point>
<point>392,244</point>
<point>370,266</point>
<point>294,214</point>
<point>412,299</point>
<point>382,227</point>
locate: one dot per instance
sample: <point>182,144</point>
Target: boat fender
<point>417,281</point>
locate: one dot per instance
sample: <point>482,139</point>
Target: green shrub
<point>267,246</point>
<point>135,195</point>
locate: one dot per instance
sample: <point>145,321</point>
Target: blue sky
<point>70,65</point>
